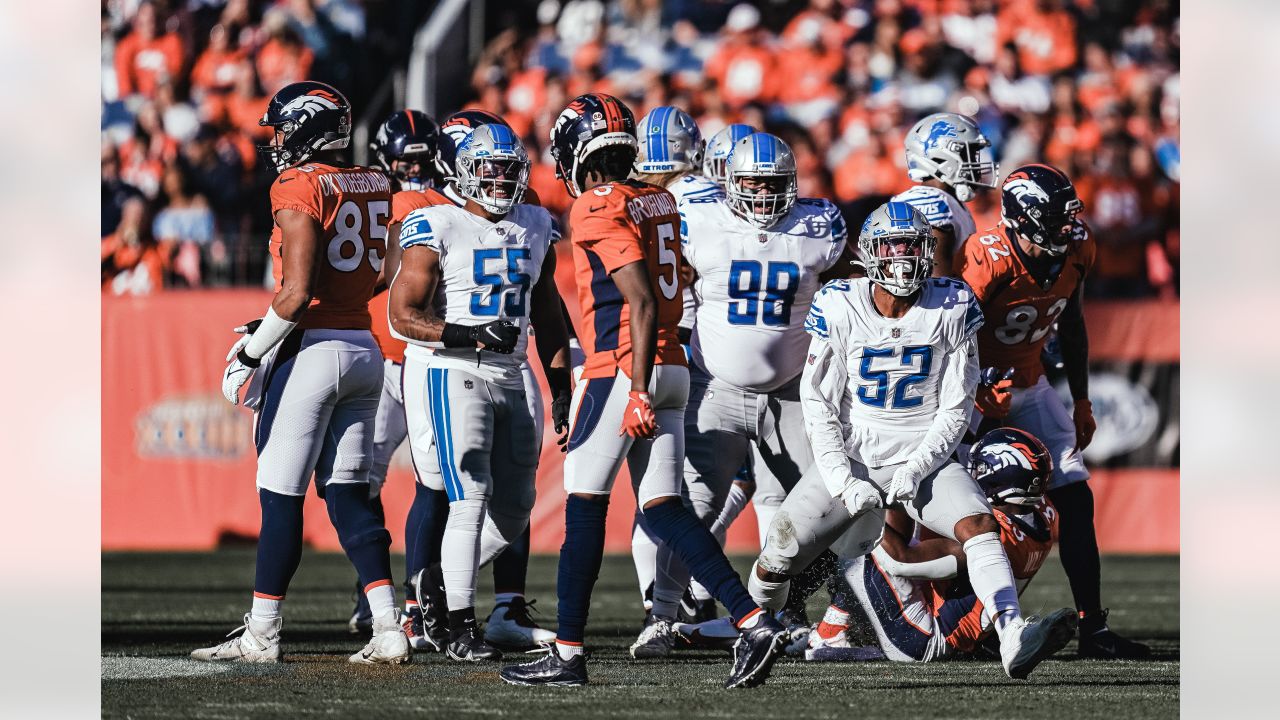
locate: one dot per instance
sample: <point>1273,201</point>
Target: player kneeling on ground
<point>887,392</point>
<point>317,393</point>
<point>915,595</point>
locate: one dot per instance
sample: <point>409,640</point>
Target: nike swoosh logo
<point>284,180</point>
<point>597,209</point>
<point>639,415</point>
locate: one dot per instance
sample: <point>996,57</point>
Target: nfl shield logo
<point>897,333</point>
<point>763,238</point>
<point>468,384</point>
<point>501,231</point>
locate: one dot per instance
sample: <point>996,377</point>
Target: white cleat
<point>388,646</point>
<point>657,640</point>
<point>1026,643</point>
<point>252,645</point>
<point>510,627</point>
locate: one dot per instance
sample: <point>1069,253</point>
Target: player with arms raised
<point>887,392</point>
<point>635,380</point>
<point>1028,273</point>
<point>471,280</point>
<point>321,372</point>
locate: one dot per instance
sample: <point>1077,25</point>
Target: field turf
<point>157,607</point>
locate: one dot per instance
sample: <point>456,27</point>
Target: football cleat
<point>797,624</point>
<point>1099,641</point>
<point>471,647</point>
<point>388,646</point>
<point>510,627</point>
<point>417,634</point>
<point>718,634</point>
<point>247,644</point>
<point>1025,643</point>
<point>656,640</point>
<point>755,653</point>
<point>435,628</point>
<point>550,670</point>
<point>694,611</point>
<point>361,621</point>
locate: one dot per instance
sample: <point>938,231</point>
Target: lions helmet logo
<point>939,130</point>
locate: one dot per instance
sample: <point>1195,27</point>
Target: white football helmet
<point>896,247</point>
<point>951,148</point>
<point>493,168</point>
<point>718,148</point>
<point>669,142</point>
<point>767,163</point>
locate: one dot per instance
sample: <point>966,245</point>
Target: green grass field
<point>157,607</point>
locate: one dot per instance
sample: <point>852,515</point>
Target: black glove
<point>499,336</point>
<point>560,419</point>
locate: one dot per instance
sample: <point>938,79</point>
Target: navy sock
<point>697,547</point>
<point>424,528</point>
<point>279,543</point>
<point>1078,544</point>
<point>580,559</point>
<point>511,565</point>
<point>366,542</point>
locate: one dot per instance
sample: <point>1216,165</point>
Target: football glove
<point>1085,424</point>
<point>560,419</point>
<point>234,377</point>
<point>247,332</point>
<point>639,420</point>
<point>859,496</point>
<point>498,336</point>
<point>903,486</point>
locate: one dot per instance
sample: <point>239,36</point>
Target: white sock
<point>460,552</point>
<point>382,600</point>
<point>265,609</point>
<point>835,616</point>
<point>764,517</point>
<point>992,579</point>
<point>567,651</point>
<point>644,552</point>
<point>767,594</point>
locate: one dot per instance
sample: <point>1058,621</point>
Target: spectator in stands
<point>115,192</point>
<point>186,224</point>
<point>132,262</point>
<point>147,56</point>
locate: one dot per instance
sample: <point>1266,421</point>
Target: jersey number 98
<point>781,280</point>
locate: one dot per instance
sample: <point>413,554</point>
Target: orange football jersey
<point>353,205</point>
<point>402,203</point>
<point>1019,311</point>
<point>614,225</point>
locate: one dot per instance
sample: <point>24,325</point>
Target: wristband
<point>457,336</point>
<point>247,361</point>
<point>270,333</point>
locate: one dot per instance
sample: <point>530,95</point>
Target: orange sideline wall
<point>178,460</point>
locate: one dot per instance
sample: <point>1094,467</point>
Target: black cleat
<point>1100,642</point>
<point>471,647</point>
<point>755,653</point>
<point>435,628</point>
<point>550,670</point>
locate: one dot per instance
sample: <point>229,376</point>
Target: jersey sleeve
<point>601,226</point>
<point>423,227</point>
<point>297,190</point>
<point>1088,249</point>
<point>973,267</point>
<point>822,384</point>
<point>839,234</point>
<point>687,248</point>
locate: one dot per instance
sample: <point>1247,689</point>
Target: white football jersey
<point>686,188</point>
<point>941,209</point>
<point>754,287</point>
<point>891,377</point>
<point>487,272</point>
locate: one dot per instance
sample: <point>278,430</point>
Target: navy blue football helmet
<point>456,128</point>
<point>590,123</point>
<point>1039,203</point>
<point>1011,466</point>
<point>407,136</point>
<point>308,117</point>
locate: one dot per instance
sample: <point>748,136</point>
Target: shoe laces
<point>519,611</point>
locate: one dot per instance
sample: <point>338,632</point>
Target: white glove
<point>233,378</point>
<point>247,330</point>
<point>903,486</point>
<point>859,496</point>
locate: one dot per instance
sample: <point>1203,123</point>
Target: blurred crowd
<point>1088,85</point>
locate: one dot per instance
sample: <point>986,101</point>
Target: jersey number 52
<point>878,394</point>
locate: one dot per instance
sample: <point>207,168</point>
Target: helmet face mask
<point>493,168</point>
<point>1011,466</point>
<point>716,155</point>
<point>669,142</point>
<point>405,147</point>
<point>951,148</point>
<point>307,117</point>
<point>453,131</point>
<point>760,179</point>
<point>896,247</point>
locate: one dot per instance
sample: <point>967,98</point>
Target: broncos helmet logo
<point>311,103</point>
<point>1024,189</point>
<point>939,130</point>
<point>1002,455</point>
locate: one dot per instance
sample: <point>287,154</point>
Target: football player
<point>509,625</point>
<point>1027,273</point>
<point>887,392</point>
<point>906,589</point>
<point>471,280</point>
<point>405,148</point>
<point>636,380</point>
<point>316,396</point>
<point>758,255</point>
<point>948,155</point>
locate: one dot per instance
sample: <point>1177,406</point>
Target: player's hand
<point>499,336</point>
<point>246,331</point>
<point>639,420</point>
<point>560,419</point>
<point>1085,424</point>
<point>233,378</point>
<point>995,400</point>
<point>902,489</point>
<point>859,496</point>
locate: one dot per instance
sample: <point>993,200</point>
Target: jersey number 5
<point>877,395</point>
<point>667,256</point>
<point>347,226</point>
<point>486,303</point>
